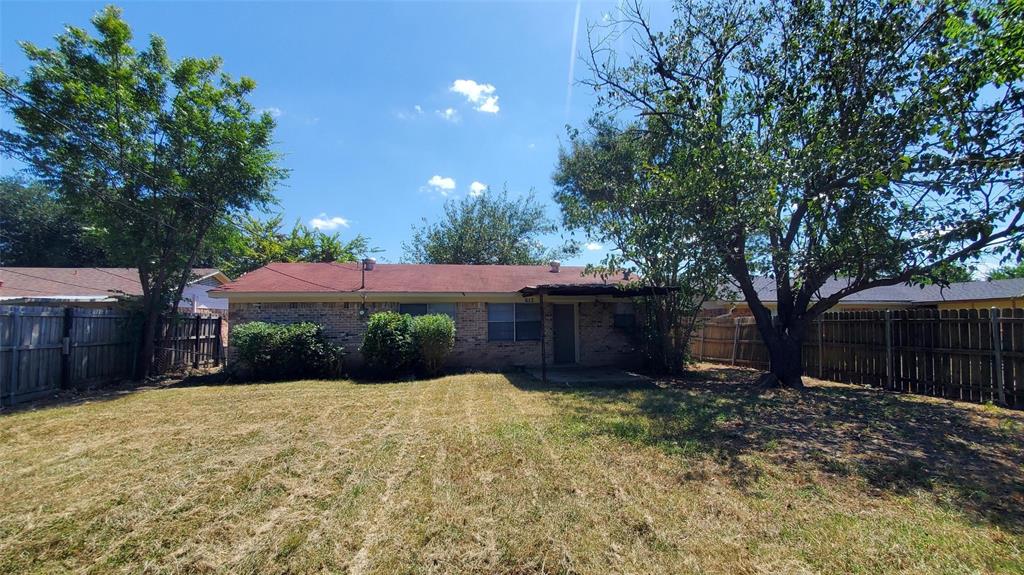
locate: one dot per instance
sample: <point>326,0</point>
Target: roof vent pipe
<point>555,264</point>
<point>368,264</point>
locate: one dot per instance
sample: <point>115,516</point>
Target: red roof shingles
<point>404,278</point>
<point>55,282</point>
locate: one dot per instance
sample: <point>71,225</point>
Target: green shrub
<point>387,346</point>
<point>433,338</point>
<point>268,351</point>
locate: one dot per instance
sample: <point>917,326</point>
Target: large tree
<point>489,228</point>
<point>1007,272</point>
<point>154,152</point>
<point>37,229</point>
<point>610,185</point>
<point>254,243</point>
<point>878,141</point>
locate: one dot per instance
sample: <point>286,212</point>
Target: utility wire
<point>12,271</point>
<point>332,288</point>
<point>18,288</point>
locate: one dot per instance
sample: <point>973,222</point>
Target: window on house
<point>527,321</point>
<point>427,309</point>
<point>513,322</point>
<point>625,315</point>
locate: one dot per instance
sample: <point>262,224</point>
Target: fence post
<point>997,355</point>
<point>15,343</point>
<point>703,338</point>
<point>821,345</point>
<point>217,343</point>
<point>888,349</point>
<point>195,343</point>
<point>65,351</point>
<point>735,338</point>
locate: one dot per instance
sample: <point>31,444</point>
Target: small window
<point>513,322</point>
<point>427,309</point>
<point>527,321</point>
<point>501,322</point>
<point>413,308</point>
<point>625,316</point>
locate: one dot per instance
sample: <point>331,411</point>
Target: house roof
<point>77,284</point>
<point>980,290</point>
<point>403,278</point>
<point>908,294</point>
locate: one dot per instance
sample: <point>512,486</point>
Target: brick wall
<point>600,344</point>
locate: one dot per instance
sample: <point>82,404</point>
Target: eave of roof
<point>593,289</point>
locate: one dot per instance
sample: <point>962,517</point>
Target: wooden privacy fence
<point>189,340</point>
<point>43,349</point>
<point>969,354</point>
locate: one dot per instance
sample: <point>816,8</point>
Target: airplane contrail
<point>572,59</point>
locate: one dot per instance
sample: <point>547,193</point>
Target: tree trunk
<point>147,341</point>
<point>784,340</point>
<point>786,355</point>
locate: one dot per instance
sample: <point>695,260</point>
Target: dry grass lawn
<point>496,474</point>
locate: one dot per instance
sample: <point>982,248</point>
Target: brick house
<point>505,316</point>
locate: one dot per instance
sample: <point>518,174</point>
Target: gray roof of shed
<point>909,294</point>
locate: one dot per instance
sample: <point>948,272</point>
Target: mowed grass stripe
<point>498,474</point>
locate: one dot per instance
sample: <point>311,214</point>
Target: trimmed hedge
<point>387,346</point>
<point>395,344</point>
<point>433,337</point>
<point>268,351</point>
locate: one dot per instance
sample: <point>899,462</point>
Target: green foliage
<point>878,141</point>
<point>37,229</point>
<point>610,184</point>
<point>946,274</point>
<point>256,243</point>
<point>1008,272</point>
<point>153,153</point>
<point>487,229</point>
<point>388,348</point>
<point>269,352</point>
<point>396,343</point>
<point>433,339</point>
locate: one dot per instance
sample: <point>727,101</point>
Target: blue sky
<point>384,110</point>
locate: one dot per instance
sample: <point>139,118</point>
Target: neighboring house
<point>99,287</point>
<point>502,313</point>
<point>975,295</point>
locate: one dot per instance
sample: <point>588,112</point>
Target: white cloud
<point>418,108</point>
<point>477,188</point>
<point>985,267</point>
<point>594,247</point>
<point>273,111</point>
<point>449,114</point>
<point>441,184</point>
<point>322,222</point>
<point>483,95</point>
<point>490,105</point>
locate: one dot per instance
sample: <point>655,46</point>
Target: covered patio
<point>575,374</point>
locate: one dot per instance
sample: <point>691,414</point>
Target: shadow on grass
<point>973,455</point>
<point>115,390</point>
